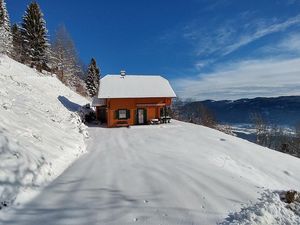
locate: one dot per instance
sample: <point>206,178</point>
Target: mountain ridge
<point>282,110</point>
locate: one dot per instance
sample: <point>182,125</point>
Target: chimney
<point>123,73</point>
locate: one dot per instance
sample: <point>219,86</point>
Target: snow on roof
<point>135,86</point>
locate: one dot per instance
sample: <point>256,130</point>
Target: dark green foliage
<point>18,51</point>
<point>93,77</point>
<point>34,33</point>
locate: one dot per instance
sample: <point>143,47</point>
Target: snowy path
<point>173,174</point>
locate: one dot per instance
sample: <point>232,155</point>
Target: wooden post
<point>165,113</point>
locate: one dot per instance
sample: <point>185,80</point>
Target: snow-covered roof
<point>135,86</point>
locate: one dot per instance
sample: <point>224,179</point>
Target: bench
<point>122,124</point>
<point>154,121</point>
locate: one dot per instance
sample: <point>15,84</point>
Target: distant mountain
<point>278,110</point>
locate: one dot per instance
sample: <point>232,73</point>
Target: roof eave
<point>108,97</point>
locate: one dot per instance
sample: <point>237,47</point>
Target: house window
<point>122,114</point>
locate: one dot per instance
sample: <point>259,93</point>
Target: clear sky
<point>223,49</point>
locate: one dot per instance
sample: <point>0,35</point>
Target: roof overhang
<point>151,105</point>
<point>98,102</point>
<point>139,97</point>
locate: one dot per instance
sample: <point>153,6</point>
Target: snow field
<point>39,134</point>
<point>174,174</point>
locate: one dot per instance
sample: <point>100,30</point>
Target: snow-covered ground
<point>40,135</point>
<point>171,174</point>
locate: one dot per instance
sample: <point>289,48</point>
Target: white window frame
<point>122,114</point>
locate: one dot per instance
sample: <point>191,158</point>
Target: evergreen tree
<point>93,78</point>
<point>5,32</point>
<point>34,33</point>
<point>18,52</point>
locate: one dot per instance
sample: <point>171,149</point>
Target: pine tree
<point>5,31</point>
<point>18,51</point>
<point>93,78</point>
<point>34,33</point>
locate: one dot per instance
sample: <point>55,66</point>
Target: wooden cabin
<point>125,100</point>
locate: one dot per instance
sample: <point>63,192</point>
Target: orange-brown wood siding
<point>131,104</point>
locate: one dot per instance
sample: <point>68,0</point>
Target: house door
<point>141,116</point>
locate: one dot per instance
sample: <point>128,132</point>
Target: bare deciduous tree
<point>205,117</point>
<point>65,61</point>
<point>261,129</point>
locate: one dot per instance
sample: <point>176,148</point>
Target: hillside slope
<point>173,174</point>
<point>39,133</point>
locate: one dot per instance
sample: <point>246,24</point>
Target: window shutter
<point>128,114</point>
<point>145,116</point>
<point>117,114</point>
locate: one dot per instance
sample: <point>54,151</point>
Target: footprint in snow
<point>37,137</point>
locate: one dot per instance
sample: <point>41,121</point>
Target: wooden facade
<point>131,111</point>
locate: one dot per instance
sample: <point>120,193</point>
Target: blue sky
<point>226,49</point>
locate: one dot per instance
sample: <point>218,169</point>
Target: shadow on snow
<point>71,106</point>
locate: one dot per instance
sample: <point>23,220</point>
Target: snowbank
<point>40,133</point>
<point>269,210</point>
